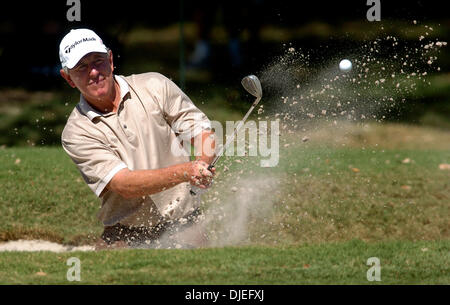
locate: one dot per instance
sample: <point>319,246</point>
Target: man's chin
<point>99,92</point>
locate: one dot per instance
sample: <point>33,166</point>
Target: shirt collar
<point>91,112</point>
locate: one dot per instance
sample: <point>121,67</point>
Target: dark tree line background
<point>35,100</point>
<point>30,31</point>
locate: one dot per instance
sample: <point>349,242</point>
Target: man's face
<point>93,76</point>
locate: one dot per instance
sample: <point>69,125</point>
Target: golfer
<point>122,135</point>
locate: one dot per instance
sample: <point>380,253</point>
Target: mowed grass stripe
<point>321,195</point>
<point>43,195</point>
<point>334,263</point>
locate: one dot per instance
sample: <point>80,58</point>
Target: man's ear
<point>67,78</point>
<point>110,58</point>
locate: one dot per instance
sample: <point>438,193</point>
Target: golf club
<point>252,84</point>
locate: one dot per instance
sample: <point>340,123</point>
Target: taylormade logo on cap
<point>76,44</point>
<point>68,48</point>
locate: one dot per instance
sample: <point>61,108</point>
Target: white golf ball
<point>345,65</point>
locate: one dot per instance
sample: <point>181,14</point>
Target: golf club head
<point>252,84</point>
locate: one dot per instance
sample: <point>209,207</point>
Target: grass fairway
<point>43,196</point>
<point>314,219</point>
<point>341,263</point>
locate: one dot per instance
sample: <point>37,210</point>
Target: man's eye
<point>81,67</point>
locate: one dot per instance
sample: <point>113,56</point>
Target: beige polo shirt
<point>141,135</point>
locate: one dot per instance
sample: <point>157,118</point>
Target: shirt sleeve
<point>180,112</point>
<point>96,161</point>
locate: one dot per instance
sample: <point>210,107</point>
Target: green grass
<point>340,194</point>
<point>312,219</point>
<point>316,193</point>
<point>316,218</point>
<point>44,196</point>
<point>331,263</point>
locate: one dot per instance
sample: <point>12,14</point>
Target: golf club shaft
<point>195,190</point>
<point>231,139</point>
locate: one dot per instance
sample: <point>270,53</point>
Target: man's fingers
<point>207,173</point>
<point>202,168</point>
<point>202,163</point>
<point>201,176</point>
<point>200,184</point>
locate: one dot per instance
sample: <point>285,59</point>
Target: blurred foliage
<point>41,119</point>
<point>38,120</point>
<point>33,111</point>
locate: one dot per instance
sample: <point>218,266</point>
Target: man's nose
<point>93,71</point>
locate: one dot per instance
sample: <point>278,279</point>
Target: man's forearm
<point>138,183</point>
